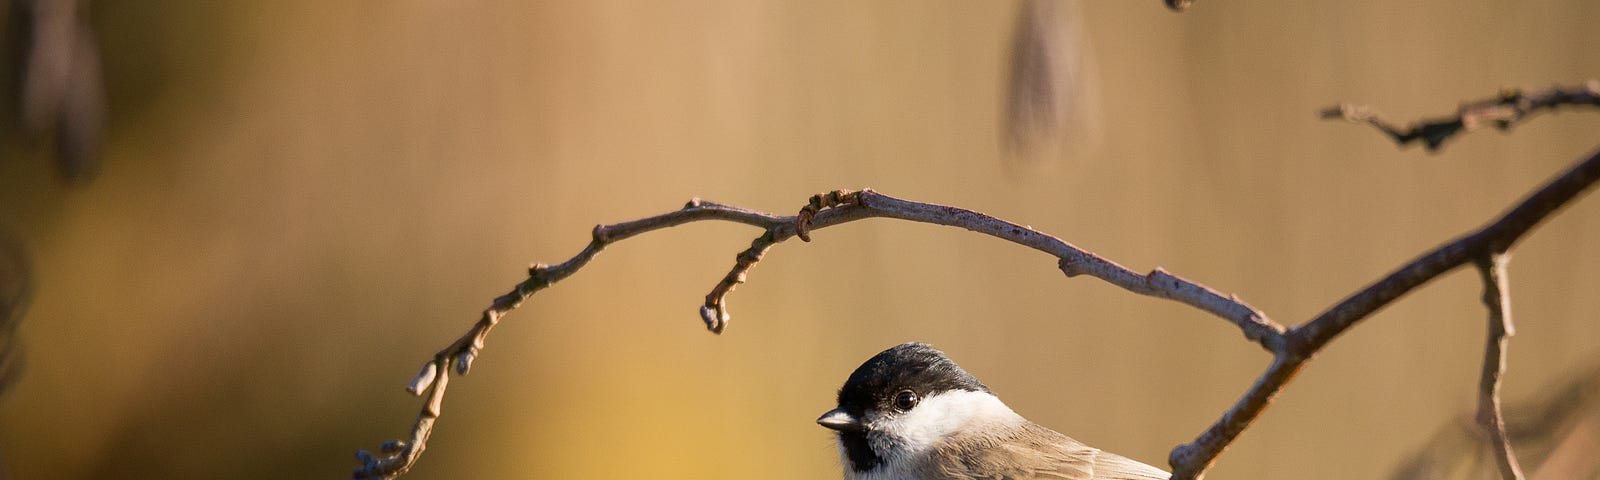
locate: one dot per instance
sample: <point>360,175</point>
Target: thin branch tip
<point>1509,107</point>
<point>715,316</point>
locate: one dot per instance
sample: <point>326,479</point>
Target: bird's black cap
<point>914,366</point>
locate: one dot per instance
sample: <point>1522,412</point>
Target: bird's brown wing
<point>1032,452</point>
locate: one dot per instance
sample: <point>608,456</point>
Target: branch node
<point>819,202</point>
<point>392,446</point>
<point>464,360</point>
<point>601,235</point>
<point>692,204</point>
<point>1163,284</point>
<point>1182,460</point>
<point>1071,265</point>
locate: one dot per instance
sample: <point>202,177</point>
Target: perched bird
<point>910,413</point>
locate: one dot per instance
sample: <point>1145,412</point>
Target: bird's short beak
<point>840,420</point>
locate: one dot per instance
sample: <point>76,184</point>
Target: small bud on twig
<point>464,360</point>
<point>716,317</point>
<point>392,446</point>
<point>424,379</point>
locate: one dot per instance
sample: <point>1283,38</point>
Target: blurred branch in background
<point>16,289</point>
<point>59,95</point>
<point>1052,92</point>
<point>1497,298</point>
<point>16,292</point>
<point>59,89</point>
<point>1512,106</point>
<point>1557,436</point>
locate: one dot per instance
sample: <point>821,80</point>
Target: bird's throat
<point>858,452</point>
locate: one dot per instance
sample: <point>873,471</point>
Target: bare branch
<point>1077,261</point>
<point>1499,236</point>
<point>400,455</point>
<point>1291,348</point>
<point>1192,459</point>
<point>1511,107</point>
<point>821,211</point>
<point>1497,298</point>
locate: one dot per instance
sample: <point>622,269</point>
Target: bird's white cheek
<point>942,414</point>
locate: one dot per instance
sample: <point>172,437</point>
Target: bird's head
<point>903,401</point>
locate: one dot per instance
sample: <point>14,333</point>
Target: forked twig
<point>1192,459</point>
<point>1510,107</point>
<point>1490,242</point>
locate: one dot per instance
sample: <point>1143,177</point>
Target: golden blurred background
<point>300,201</point>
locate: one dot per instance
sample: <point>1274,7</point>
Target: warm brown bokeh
<point>301,201</point>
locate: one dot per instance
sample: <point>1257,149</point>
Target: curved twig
<point>822,211</point>
<point>399,455</point>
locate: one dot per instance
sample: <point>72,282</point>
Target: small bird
<point>910,413</point>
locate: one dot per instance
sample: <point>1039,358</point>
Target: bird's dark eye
<point>905,400</point>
